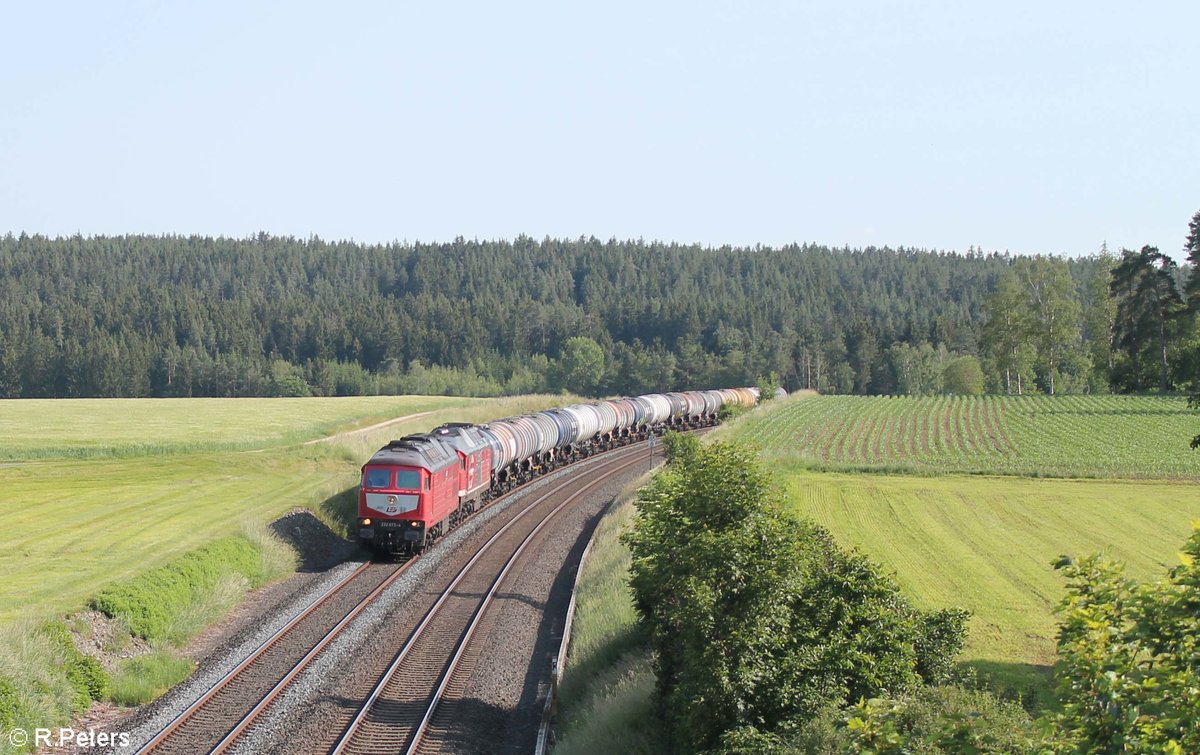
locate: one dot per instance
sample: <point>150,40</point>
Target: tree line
<point>270,315</point>
<point>1129,325</point>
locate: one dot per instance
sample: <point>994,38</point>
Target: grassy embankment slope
<point>952,506</point>
<point>94,491</point>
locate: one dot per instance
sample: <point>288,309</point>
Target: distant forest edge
<point>268,315</point>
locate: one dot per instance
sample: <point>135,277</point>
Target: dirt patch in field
<point>365,430</point>
<point>316,546</point>
<point>105,639</point>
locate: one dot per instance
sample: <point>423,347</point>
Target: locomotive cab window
<point>378,478</point>
<point>407,479</point>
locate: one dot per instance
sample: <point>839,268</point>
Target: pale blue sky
<point>1031,127</point>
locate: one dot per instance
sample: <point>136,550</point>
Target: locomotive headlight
<point>366,522</point>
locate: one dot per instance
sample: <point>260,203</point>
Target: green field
<point>83,428</point>
<point>983,541</point>
<point>987,543</point>
<point>1062,436</point>
<point>73,517</point>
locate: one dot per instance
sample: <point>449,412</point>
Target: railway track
<point>234,701</point>
<point>215,721</point>
<point>403,710</point>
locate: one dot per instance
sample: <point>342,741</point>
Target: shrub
<point>1130,658</point>
<point>964,376</point>
<point>86,676</point>
<point>10,705</point>
<point>152,601</point>
<point>757,617</point>
<point>940,638</point>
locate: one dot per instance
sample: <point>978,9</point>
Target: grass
<point>89,428</point>
<point>72,525</point>
<point>987,544</point>
<point>174,601</point>
<point>142,679</point>
<point>1059,436</point>
<point>604,703</point>
<point>43,678</point>
<point>157,509</point>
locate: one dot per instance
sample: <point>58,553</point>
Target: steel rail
<point>266,645</point>
<point>347,737</point>
<point>279,635</point>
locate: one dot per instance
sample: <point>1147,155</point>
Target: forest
<point>200,316</point>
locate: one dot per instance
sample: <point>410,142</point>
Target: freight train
<point>416,489</point>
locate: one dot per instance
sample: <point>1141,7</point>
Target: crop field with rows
<point>1059,436</point>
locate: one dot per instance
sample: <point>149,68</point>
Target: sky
<point>1047,127</point>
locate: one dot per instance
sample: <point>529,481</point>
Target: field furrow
<point>1060,436</point>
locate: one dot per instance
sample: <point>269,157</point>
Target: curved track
<point>401,708</point>
<point>221,713</point>
<point>219,717</point>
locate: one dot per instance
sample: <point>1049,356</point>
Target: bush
<point>1129,654</point>
<point>86,676</point>
<point>152,602</point>
<point>964,376</point>
<point>730,412</point>
<point>44,678</point>
<point>757,617</point>
<point>931,720</point>
<point>10,705</point>
<point>940,638</point>
<point>768,386</point>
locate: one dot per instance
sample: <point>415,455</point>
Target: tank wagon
<point>416,489</point>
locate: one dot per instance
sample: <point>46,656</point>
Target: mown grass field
<point>1062,436</point>
<point>985,541</point>
<point>70,525</point>
<point>85,428</point>
<point>987,544</point>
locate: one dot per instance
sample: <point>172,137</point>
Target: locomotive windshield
<point>378,478</point>
<point>408,479</point>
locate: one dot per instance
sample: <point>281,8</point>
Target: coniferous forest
<point>268,315</point>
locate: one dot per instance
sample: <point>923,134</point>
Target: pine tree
<point>1147,302</point>
<point>1191,247</point>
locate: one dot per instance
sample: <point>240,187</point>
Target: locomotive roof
<point>416,451</point>
<point>464,437</point>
